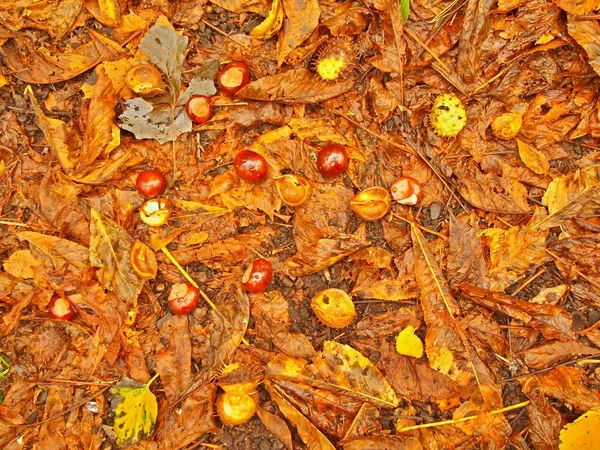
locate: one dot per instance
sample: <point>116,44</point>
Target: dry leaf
<point>294,87</point>
<point>302,17</point>
<point>174,355</point>
<point>110,248</point>
<point>533,158</point>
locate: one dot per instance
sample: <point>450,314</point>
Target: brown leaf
<point>554,322</point>
<point>57,253</point>
<point>310,435</point>
<point>493,193</point>
<point>475,28</point>
<point>174,355</point>
<point>294,87</point>
<point>277,426</point>
<point>237,6</point>
<point>550,353</point>
<point>110,248</point>
<point>366,422</point>
<point>386,323</point>
<point>321,254</point>
<point>566,385</point>
<point>55,17</point>
<point>570,196</point>
<point>513,252</point>
<point>195,419</point>
<point>302,19</point>
<point>466,262</point>
<point>222,336</point>
<point>410,378</point>
<point>32,66</point>
<point>270,310</point>
<point>545,433</point>
<point>100,129</point>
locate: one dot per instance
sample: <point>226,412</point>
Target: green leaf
<point>405,8</point>
<point>135,409</point>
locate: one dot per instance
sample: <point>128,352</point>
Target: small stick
<point>218,30</point>
<point>463,419</point>
<point>546,369</point>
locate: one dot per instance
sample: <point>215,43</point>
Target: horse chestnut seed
<point>61,308</point>
<point>332,160</point>
<point>233,77</point>
<point>258,275</point>
<point>250,166</point>
<point>183,298</point>
<point>199,108</point>
<point>151,183</point>
<point>406,191</point>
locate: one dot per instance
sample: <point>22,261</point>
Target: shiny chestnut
<point>61,308</point>
<point>233,77</point>
<point>258,275</point>
<point>183,298</point>
<point>406,191</point>
<point>151,183</point>
<point>332,160</point>
<point>250,166</point>
<point>199,108</point>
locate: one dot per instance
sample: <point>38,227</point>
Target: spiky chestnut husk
<point>335,58</point>
<point>239,379</point>
<point>448,115</point>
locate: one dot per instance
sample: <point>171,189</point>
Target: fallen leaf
<point>294,87</point>
<point>110,248</point>
<point>310,435</point>
<point>533,158</point>
<point>302,17</point>
<point>582,433</point>
<point>277,426</point>
<point>135,409</point>
<point>409,344</point>
<point>174,355</point>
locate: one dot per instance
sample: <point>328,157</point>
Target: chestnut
<point>151,183</point>
<point>293,190</point>
<point>199,108</point>
<point>372,203</point>
<point>61,308</point>
<point>145,80</point>
<point>250,166</point>
<point>183,298</point>
<point>236,409</point>
<point>406,191</point>
<point>332,160</point>
<point>155,212</point>
<point>334,308</point>
<point>233,77</point>
<point>258,275</point>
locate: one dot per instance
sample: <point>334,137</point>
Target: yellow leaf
<point>408,343</point>
<point>135,409</point>
<point>21,264</point>
<point>584,433</point>
<point>533,158</point>
<point>443,360</point>
<point>110,8</point>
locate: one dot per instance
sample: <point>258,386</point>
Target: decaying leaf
<point>533,158</point>
<point>570,196</point>
<point>110,248</point>
<point>294,87</point>
<point>135,409</point>
<point>164,118</point>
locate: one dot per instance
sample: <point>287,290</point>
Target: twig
<point>546,369</point>
<point>218,30</point>
<point>463,419</point>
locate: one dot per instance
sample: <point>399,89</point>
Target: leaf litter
<point>477,309</point>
